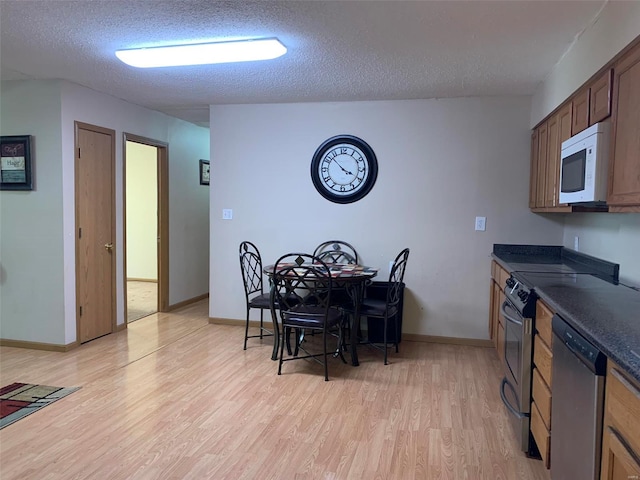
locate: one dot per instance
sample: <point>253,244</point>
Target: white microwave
<point>584,166</point>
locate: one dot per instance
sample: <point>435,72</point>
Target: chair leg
<point>284,329</point>
<point>246,330</point>
<point>261,322</point>
<point>326,363</point>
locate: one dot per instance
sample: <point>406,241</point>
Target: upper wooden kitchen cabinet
<point>546,142</point>
<point>600,97</point>
<point>624,161</point>
<point>592,103</point>
<point>558,130</point>
<point>580,111</point>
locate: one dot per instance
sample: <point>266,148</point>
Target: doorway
<point>145,225</point>
<point>95,231</point>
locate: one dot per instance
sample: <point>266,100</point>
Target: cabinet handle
<point>626,383</point>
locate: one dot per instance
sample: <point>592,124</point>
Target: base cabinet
<point>621,430</point>
<point>496,297</point>
<point>541,427</point>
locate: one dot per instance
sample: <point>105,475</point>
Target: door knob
<point>108,246</point>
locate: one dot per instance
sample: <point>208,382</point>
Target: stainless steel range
<point>518,312</point>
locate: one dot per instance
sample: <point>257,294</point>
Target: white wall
<point>617,25</point>
<point>614,237</point>
<point>441,164</point>
<point>39,259</point>
<point>142,211</point>
<point>611,236</point>
<point>31,244</point>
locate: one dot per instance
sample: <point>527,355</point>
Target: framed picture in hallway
<point>15,163</point>
<point>204,172</point>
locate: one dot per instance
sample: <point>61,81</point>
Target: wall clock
<point>344,169</point>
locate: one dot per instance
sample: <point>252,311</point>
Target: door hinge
<point>78,152</point>
<point>80,310</point>
<point>80,232</point>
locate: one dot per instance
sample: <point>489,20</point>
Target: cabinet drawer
<point>542,358</point>
<point>542,397</point>
<point>623,407</point>
<point>541,435</point>
<point>543,322</point>
<point>502,276</point>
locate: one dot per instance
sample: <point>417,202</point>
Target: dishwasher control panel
<point>593,358</point>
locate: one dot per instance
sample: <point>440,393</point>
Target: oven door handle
<point>503,310</point>
<point>515,412</point>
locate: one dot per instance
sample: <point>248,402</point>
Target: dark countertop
<point>604,312</point>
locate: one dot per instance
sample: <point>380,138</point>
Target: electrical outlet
<point>576,243</point>
<point>481,223</point>
<point>227,214</point>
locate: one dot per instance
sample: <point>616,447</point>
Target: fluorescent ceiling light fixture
<point>203,53</point>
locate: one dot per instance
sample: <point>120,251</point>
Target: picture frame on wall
<point>205,172</point>
<point>15,163</point>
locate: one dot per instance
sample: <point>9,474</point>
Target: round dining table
<point>353,278</point>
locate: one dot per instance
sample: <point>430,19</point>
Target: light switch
<point>227,214</point>
<point>481,223</point>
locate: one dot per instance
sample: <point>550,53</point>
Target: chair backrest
<point>251,268</point>
<point>396,277</point>
<point>336,251</point>
<point>302,281</point>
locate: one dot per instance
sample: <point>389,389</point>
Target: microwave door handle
<point>503,310</point>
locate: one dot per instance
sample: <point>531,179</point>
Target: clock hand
<point>342,168</point>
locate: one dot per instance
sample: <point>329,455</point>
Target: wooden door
<point>553,159</point>
<point>600,102</point>
<point>541,183</point>
<point>95,231</point>
<point>624,162</point>
<point>533,174</point>
<point>564,133</point>
<point>580,111</point>
<point>618,463</point>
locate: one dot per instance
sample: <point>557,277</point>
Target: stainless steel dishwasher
<point>578,405</point>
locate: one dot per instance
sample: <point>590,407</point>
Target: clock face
<point>344,169</point>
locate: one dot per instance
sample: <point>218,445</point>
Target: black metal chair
<point>302,286</point>
<point>336,251</point>
<point>384,309</point>
<point>251,268</point>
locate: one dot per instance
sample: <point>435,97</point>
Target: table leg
<point>276,326</point>
<point>356,292</point>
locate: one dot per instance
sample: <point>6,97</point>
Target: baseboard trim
<point>184,303</point>
<point>471,342</point>
<point>410,337</point>
<point>134,279</point>
<point>235,321</point>
<point>50,347</point>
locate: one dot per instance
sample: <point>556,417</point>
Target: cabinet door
<point>580,111</point>
<point>533,174</point>
<point>624,161</point>
<point>553,157</point>
<point>617,462</point>
<point>600,101</point>
<point>542,165</point>
<point>492,307</point>
<point>564,120</point>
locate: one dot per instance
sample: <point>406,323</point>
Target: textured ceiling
<point>337,50</point>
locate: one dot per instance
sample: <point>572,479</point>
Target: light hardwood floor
<point>175,397</point>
